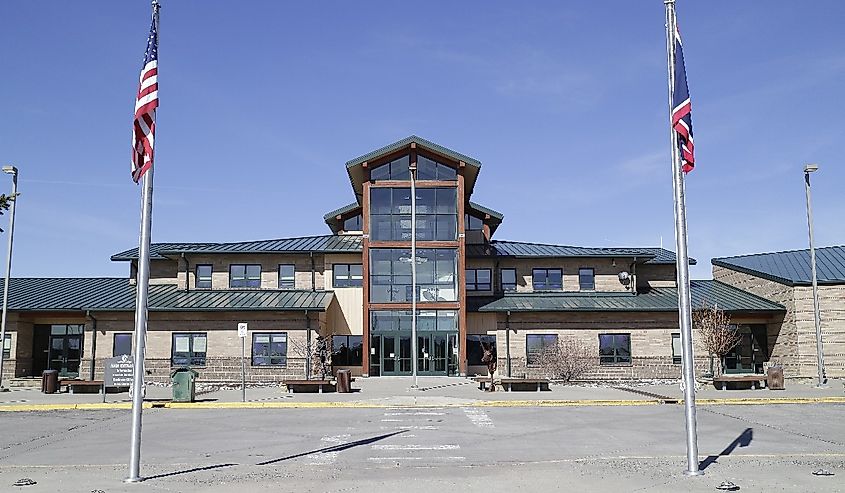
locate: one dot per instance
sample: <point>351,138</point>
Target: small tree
<point>317,352</point>
<point>715,333</point>
<point>567,360</point>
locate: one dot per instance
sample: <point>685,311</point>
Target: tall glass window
<point>429,169</point>
<point>508,279</point>
<point>427,320</point>
<point>287,276</point>
<point>204,276</point>
<point>390,214</point>
<point>390,275</point>
<point>394,170</point>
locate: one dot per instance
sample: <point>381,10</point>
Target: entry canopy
<point>358,171</point>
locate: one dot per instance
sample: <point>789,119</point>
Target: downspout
<point>313,273</point>
<point>508,341</point>
<point>93,343</point>
<point>187,273</point>
<point>497,275</point>
<point>634,275</point>
<point>307,346</point>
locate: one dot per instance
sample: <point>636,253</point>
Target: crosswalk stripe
<point>415,447</point>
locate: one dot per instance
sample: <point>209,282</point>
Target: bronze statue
<point>489,359</point>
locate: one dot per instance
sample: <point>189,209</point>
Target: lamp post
<point>14,172</point>
<point>811,168</point>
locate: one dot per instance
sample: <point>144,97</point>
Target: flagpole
<point>142,283</point>
<point>414,348</point>
<point>682,261</point>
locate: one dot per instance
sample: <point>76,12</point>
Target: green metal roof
<point>399,144</point>
<point>504,248</point>
<point>117,294</point>
<point>706,292</point>
<point>357,175</point>
<point>791,267</point>
<point>341,211</point>
<point>305,244</point>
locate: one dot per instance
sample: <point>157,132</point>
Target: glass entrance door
<point>66,354</point>
<point>433,354</point>
<point>396,355</point>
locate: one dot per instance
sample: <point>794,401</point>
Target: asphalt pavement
<point>414,448</point>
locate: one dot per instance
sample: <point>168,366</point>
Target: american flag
<point>143,133</point>
<point>681,108</point>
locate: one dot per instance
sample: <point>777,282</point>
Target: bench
<point>74,385</point>
<point>538,384</point>
<point>508,383</point>
<point>725,379</point>
<point>294,386</point>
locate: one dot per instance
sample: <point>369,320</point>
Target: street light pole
<point>14,172</point>
<point>810,168</point>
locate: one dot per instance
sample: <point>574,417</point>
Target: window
<point>269,349</point>
<point>545,279</point>
<point>7,346</point>
<point>676,349</point>
<point>428,169</point>
<point>244,276</point>
<point>476,345</point>
<point>508,279</point>
<point>188,349</point>
<point>472,223</point>
<point>287,276</point>
<point>122,344</point>
<point>478,280</point>
<point>394,170</point>
<point>535,344</point>
<point>427,320</point>
<point>614,349</point>
<point>390,214</point>
<point>347,351</point>
<point>390,275</point>
<point>354,223</point>
<point>587,279</point>
<point>347,275</point>
<point>204,276</point>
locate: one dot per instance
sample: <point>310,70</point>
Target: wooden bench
<point>538,383</point>
<point>725,379</point>
<point>294,386</point>
<point>73,385</point>
<point>507,383</point>
<point>482,382</point>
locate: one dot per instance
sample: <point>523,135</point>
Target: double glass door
<point>436,354</point>
<point>65,354</point>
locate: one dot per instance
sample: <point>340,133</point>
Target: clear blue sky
<point>564,103</point>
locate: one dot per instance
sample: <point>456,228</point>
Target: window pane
<point>122,344</point>
<point>425,200</point>
<point>446,173</point>
<point>399,169</point>
<point>380,173</point>
<point>426,168</point>
<point>353,223</point>
<point>555,279</point>
<point>380,200</point>
<point>586,279</point>
<point>538,278</point>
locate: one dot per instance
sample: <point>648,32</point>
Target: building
<point>355,286</point>
<point>785,278</point>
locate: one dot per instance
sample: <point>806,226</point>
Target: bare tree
<point>320,356</point>
<point>715,333</point>
<point>567,360</point>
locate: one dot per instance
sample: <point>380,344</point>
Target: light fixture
<point>11,170</point>
<point>808,168</point>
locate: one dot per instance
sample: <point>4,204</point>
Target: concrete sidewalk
<point>432,391</point>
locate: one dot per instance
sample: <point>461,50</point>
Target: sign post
<point>242,328</point>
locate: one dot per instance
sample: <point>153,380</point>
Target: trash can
<point>50,381</point>
<point>184,384</point>
<point>344,381</point>
<point>774,378</point>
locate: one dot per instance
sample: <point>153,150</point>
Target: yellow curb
<point>770,400</point>
<point>565,403</point>
<point>71,407</point>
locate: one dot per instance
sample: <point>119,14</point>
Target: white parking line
<point>414,414</point>
<point>415,447</point>
<point>326,458</point>
<point>479,417</point>
<point>409,427</point>
<point>431,459</point>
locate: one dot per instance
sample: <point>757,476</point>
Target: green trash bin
<point>184,384</point>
